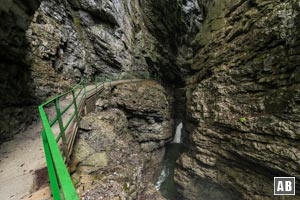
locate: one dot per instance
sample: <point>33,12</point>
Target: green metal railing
<point>58,148</point>
<point>57,170</point>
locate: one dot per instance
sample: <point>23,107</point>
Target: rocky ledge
<point>121,145</point>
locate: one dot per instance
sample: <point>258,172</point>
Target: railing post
<point>75,105</point>
<point>61,128</point>
<point>77,119</point>
<point>51,168</point>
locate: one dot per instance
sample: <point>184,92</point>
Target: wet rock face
<point>121,145</point>
<point>243,100</point>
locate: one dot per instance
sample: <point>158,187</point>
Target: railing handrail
<point>63,94</point>
<point>57,170</point>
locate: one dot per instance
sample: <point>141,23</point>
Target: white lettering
<point>288,186</point>
<point>280,186</point>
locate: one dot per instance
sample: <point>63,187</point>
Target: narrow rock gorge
<point>229,70</point>
<point>59,42</point>
<point>243,102</point>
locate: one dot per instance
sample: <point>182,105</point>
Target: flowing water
<point>177,137</point>
<point>165,183</point>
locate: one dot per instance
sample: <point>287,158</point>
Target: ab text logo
<point>284,185</point>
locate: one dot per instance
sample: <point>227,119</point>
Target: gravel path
<point>21,157</point>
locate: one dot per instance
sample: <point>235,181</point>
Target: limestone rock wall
<point>148,109</point>
<point>51,45</point>
<point>243,103</point>
<point>77,38</point>
<point>108,163</point>
<point>238,58</point>
<point>121,144</point>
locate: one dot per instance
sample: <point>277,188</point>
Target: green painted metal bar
<point>76,86</point>
<point>69,121</point>
<point>53,99</point>
<point>80,102</point>
<point>64,178</point>
<point>81,98</point>
<point>51,171</point>
<point>61,95</point>
<point>53,121</point>
<point>58,138</point>
<point>58,173</point>
<point>66,109</point>
<point>61,127</point>
<point>75,106</point>
<point>79,93</point>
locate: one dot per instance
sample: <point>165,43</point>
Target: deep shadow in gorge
<point>246,68</point>
<point>238,61</point>
<point>175,26</point>
<point>16,85</point>
<point>50,45</point>
<point>165,184</point>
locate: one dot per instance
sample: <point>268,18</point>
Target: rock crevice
<point>242,107</point>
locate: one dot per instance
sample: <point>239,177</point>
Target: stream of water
<point>165,183</point>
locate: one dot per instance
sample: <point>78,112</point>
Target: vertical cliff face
<point>16,84</point>
<point>15,19</point>
<point>74,39</point>
<point>239,61</point>
<point>53,44</point>
<point>77,38</point>
<point>243,101</point>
